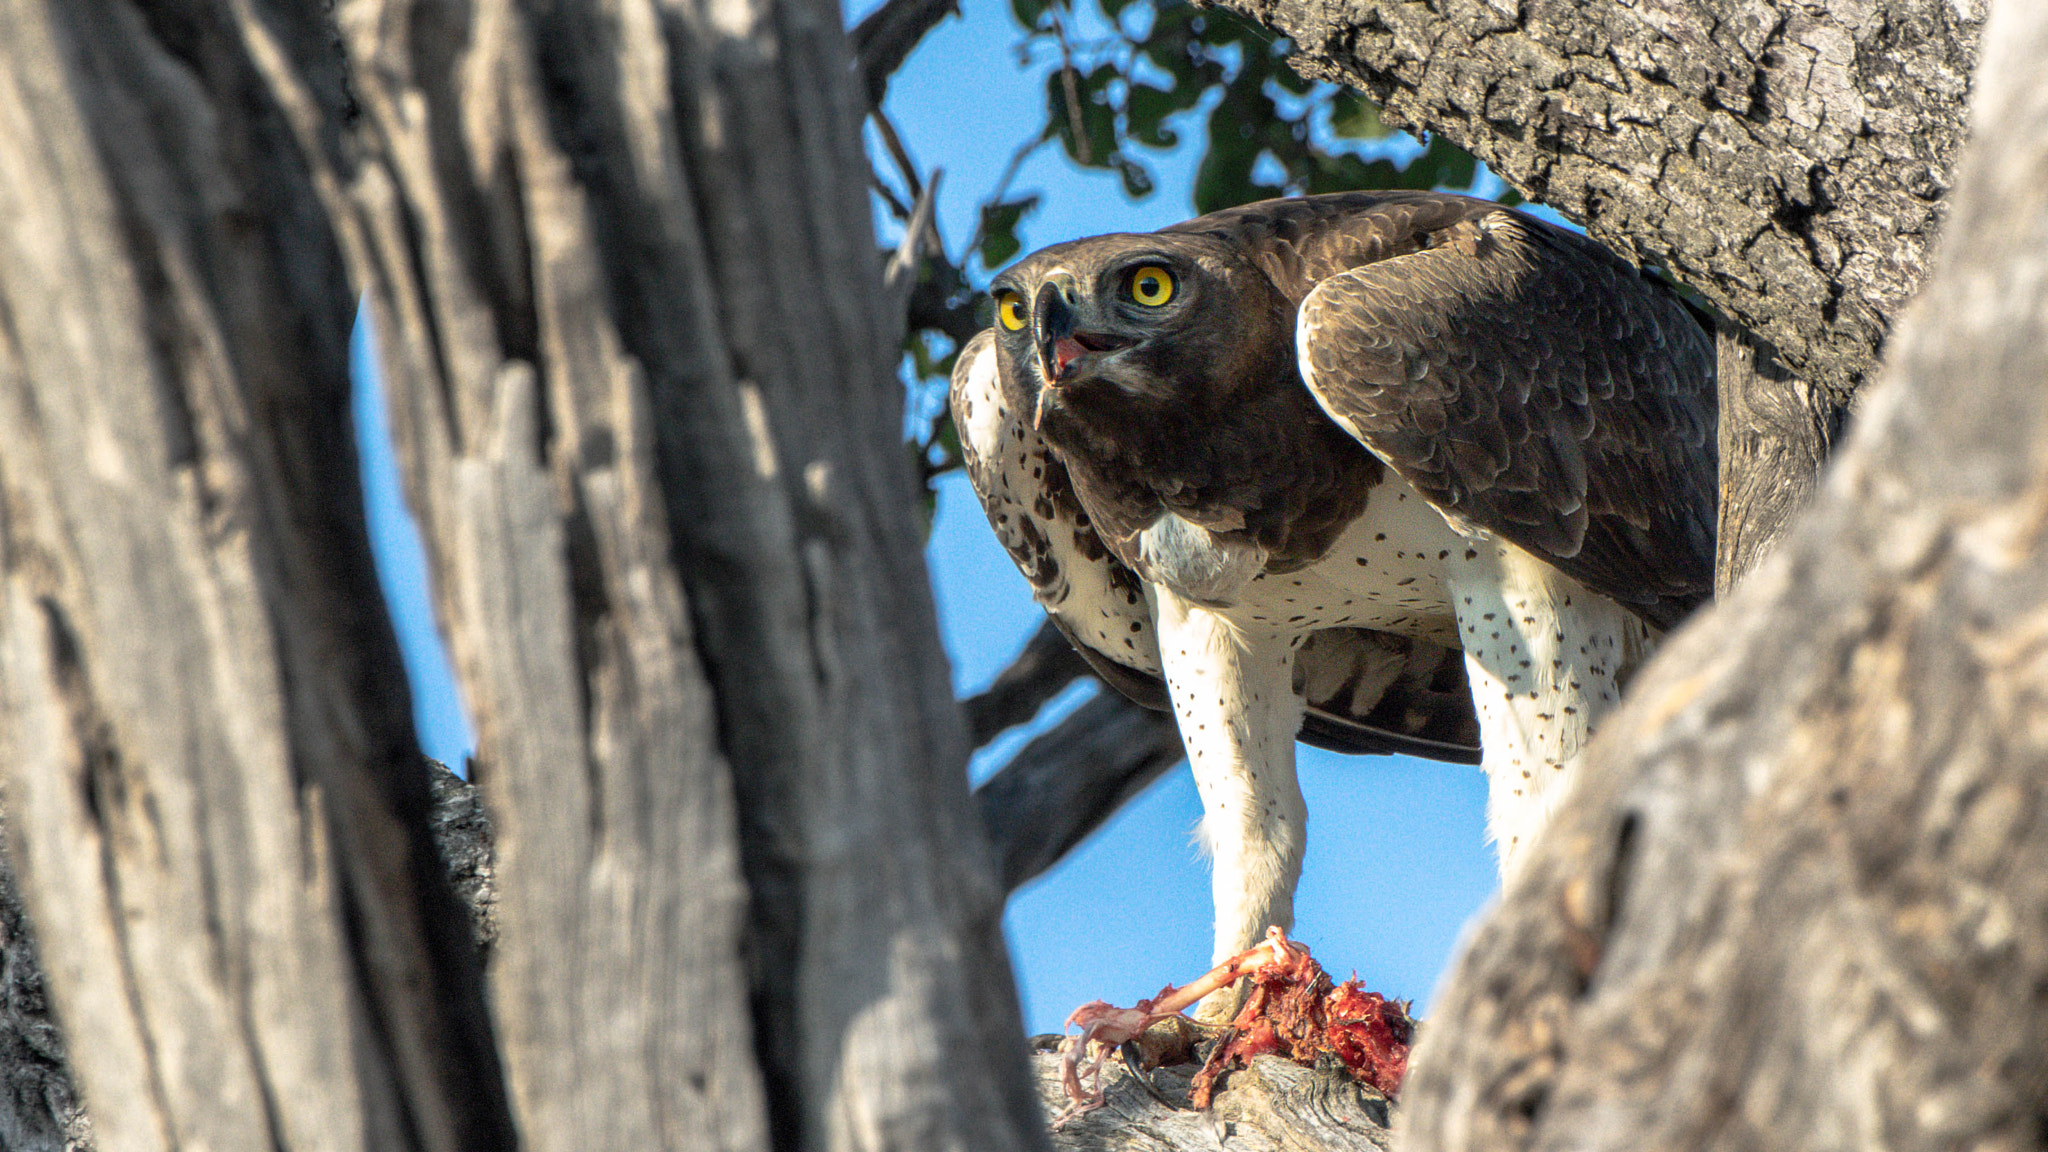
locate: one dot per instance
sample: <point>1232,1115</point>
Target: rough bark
<point>626,289</point>
<point>641,382</point>
<point>39,1106</point>
<point>213,807</point>
<point>1272,1106</point>
<point>1802,901</point>
<point>1787,161</point>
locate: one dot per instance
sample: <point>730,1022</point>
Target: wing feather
<point>1530,383</point>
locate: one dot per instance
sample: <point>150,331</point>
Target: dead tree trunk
<point>203,724</point>
<point>1803,901</point>
<point>642,385</point>
<point>626,291</point>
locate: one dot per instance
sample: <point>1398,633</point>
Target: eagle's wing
<point>1530,383</point>
<point>1367,692</point>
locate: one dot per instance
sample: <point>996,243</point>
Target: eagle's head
<point>1116,340</point>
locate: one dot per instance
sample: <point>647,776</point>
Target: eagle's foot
<point>1108,1028</point>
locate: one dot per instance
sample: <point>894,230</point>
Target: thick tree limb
<point>1062,785</point>
<point>1801,901</point>
<point>1272,1106</point>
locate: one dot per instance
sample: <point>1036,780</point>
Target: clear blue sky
<point>1396,864</point>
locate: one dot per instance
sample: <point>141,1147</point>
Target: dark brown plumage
<point>1305,449</point>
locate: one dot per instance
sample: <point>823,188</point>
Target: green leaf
<point>1219,26</point>
<point>1224,178</point>
<point>999,243</point>
<point>1029,12</point>
<point>1146,110</point>
<point>1441,165</point>
<point>946,440</point>
<point>1088,100</point>
<point>1354,117</point>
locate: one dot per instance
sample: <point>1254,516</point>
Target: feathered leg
<point>1233,695</point>
<point>1545,658</point>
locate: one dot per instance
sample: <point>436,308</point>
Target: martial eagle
<point>1292,457</point>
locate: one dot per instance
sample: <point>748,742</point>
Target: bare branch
<point>1065,783</point>
<point>1040,672</point>
<point>885,37</point>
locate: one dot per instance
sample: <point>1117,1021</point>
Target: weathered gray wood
<point>39,1106</point>
<point>623,269</point>
<point>1272,1106</point>
<point>1802,900</point>
<point>214,809</point>
<point>526,435</point>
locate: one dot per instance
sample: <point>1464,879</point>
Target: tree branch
<point>1040,672</point>
<point>1061,786</point>
<point>885,37</point>
<point>1788,163</point>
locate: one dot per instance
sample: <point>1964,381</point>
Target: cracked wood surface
<point>642,385</point>
<point>1801,901</point>
<point>643,391</point>
<point>1785,160</point>
<point>1272,1106</point>
<point>203,721</point>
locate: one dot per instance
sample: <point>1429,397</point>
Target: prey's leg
<point>1233,696</point>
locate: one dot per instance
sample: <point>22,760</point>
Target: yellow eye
<point>1152,286</point>
<point>1010,310</point>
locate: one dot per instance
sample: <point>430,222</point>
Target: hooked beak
<point>1055,330</point>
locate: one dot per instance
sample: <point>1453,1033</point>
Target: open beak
<point>1056,330</point>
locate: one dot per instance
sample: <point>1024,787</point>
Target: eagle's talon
<point>1109,1027</point>
<point>1134,1063</point>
